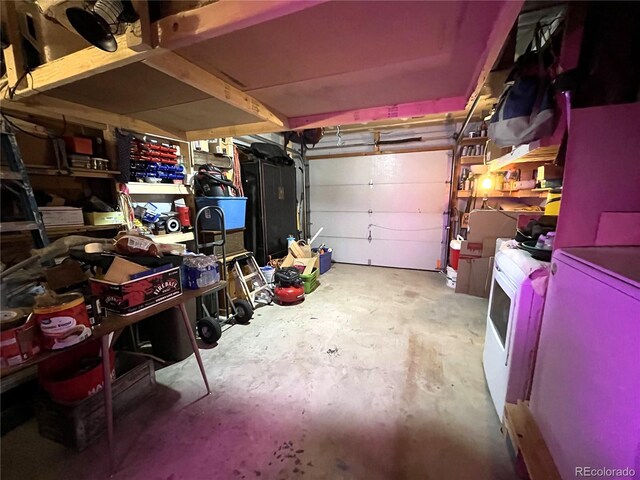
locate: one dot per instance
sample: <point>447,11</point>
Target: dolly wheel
<point>209,330</point>
<point>244,311</point>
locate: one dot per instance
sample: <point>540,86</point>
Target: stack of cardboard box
<point>478,250</point>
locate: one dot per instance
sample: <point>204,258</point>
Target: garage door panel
<point>407,198</point>
<point>347,250</point>
<point>402,226</point>
<point>340,171</point>
<point>420,167</point>
<point>406,254</point>
<point>340,198</point>
<point>352,225</point>
<point>410,198</point>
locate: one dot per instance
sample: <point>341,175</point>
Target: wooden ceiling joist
<point>55,108</point>
<point>403,110</point>
<point>222,17</point>
<point>79,65</point>
<point>233,131</point>
<point>183,70</point>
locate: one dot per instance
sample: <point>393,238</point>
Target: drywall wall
<point>602,174</point>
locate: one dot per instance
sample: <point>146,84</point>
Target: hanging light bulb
<point>486,183</point>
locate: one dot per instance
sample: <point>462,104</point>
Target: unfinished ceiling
<point>352,55</point>
<point>229,67</point>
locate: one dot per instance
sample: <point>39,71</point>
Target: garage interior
<point>320,239</point>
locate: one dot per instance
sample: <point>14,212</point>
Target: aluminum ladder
<point>16,180</point>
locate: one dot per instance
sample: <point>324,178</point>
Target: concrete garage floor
<point>377,375</point>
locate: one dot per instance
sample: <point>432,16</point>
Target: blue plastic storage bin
<point>234,209</point>
<point>325,261</point>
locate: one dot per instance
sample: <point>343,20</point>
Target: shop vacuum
<point>289,286</point>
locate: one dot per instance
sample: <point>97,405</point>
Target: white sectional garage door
<point>386,210</point>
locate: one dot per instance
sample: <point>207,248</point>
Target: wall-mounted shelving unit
<point>73,172</point>
<point>472,159</point>
<point>527,193</point>
<point>531,153</point>
<point>173,237</point>
<point>140,188</point>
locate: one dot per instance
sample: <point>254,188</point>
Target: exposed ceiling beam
<point>54,108</point>
<point>502,26</point>
<point>79,65</point>
<point>402,110</point>
<point>142,35</point>
<point>13,57</point>
<point>222,17</point>
<point>183,70</point>
<point>233,131</point>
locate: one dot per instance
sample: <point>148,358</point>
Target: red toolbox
<point>135,295</point>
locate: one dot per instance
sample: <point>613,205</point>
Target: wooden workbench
<point>114,324</point>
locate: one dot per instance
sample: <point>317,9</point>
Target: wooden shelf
<point>527,439</point>
<point>65,230</point>
<point>140,188</point>
<point>173,237</point>
<point>530,153</point>
<point>526,193</point>
<point>9,175</point>
<point>473,141</point>
<point>472,160</point>
<point>73,172</point>
<point>17,226</point>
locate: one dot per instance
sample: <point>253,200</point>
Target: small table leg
<point>194,344</point>
<point>108,399</point>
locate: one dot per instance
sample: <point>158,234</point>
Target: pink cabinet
<point>586,386</point>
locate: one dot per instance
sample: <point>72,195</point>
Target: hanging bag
<point>526,109</point>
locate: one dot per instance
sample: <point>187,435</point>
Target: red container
<point>75,374</point>
<point>135,295</point>
<point>64,324</point>
<point>80,145</point>
<point>18,338</point>
<point>454,252</point>
<point>184,215</point>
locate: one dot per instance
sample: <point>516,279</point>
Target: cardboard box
<point>486,248</point>
<point>61,216</point>
<point>309,263</point>
<point>103,218</point>
<point>491,223</point>
<point>550,172</point>
<point>121,270</point>
<point>474,276</point>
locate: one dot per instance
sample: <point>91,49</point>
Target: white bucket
<point>452,277</point>
<point>268,272</point>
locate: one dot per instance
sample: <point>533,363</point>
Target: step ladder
<point>16,180</point>
<point>251,279</point>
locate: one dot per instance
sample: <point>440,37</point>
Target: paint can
<point>268,272</point>
<point>63,321</point>
<point>452,277</point>
<point>18,339</point>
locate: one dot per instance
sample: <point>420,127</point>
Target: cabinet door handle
<point>554,268</point>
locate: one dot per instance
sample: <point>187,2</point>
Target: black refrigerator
<point>270,189</point>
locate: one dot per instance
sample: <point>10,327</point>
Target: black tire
<point>244,311</point>
<point>209,330</point>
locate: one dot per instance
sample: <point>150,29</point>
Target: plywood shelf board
<point>472,159</point>
<point>532,153</point>
<point>74,172</point>
<point>173,237</point>
<point>80,228</point>
<point>17,226</point>
<point>140,188</point>
<point>524,433</point>
<point>526,193</point>
<point>473,141</point>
